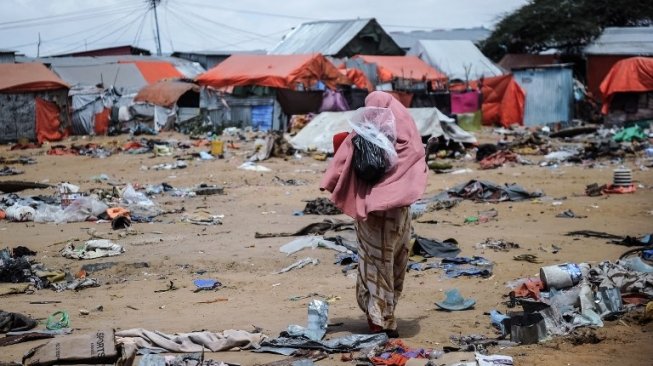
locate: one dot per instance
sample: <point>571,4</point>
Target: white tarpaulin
<point>318,134</point>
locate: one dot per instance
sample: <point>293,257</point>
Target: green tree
<point>567,25</point>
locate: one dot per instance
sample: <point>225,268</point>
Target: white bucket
<point>560,276</point>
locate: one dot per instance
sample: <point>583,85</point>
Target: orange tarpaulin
<point>47,121</point>
<point>154,71</point>
<point>28,78</point>
<point>276,71</point>
<point>503,100</point>
<point>358,78</point>
<point>102,122</point>
<point>633,74</point>
<point>405,67</point>
<point>164,93</point>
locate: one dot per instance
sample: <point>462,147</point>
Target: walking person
<point>382,213</point>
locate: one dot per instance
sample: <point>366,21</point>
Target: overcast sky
<point>185,25</point>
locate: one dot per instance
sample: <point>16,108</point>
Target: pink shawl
<point>401,186</point>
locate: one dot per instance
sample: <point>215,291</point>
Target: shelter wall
<point>18,113</point>
<point>549,94</point>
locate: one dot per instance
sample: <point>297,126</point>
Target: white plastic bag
<point>377,125</point>
<point>136,198</point>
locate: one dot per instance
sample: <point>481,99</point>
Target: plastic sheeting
<point>154,71</point>
<point>277,71</point>
<point>404,67</point>
<point>47,121</point>
<point>630,75</point>
<point>85,107</point>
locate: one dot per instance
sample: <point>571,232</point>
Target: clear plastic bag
<point>377,125</point>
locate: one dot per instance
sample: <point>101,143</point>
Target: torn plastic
<point>318,318</point>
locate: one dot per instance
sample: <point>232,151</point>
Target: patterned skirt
<point>383,252</point>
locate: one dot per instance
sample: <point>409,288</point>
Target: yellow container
<point>217,148</point>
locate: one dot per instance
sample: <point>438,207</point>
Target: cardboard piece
<point>92,348</point>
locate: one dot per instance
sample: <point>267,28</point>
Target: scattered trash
<point>206,284</point>
<point>569,214</point>
<point>97,347</point>
<point>318,319</point>
<point>321,206</point>
<point>171,287</point>
<point>530,258</point>
<point>92,249</point>
<point>299,264</point>
<point>318,228</point>
<point>310,242</point>
<point>254,167</point>
<point>560,276</point>
<point>527,328</point>
<point>455,302</point>
<point>58,320</point>
<point>15,322</point>
<point>499,245</point>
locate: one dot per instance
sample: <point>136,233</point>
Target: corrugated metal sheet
<point>325,37</point>
<point>121,76</point>
<point>452,57</point>
<point>634,41</point>
<point>549,94</point>
<point>407,40</point>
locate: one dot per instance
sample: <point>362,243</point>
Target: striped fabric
<point>383,252</point>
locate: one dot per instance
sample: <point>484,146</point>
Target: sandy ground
<point>254,202</point>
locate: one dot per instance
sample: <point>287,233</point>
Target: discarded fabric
<point>139,338</point>
<point>92,249</point>
<point>310,242</point>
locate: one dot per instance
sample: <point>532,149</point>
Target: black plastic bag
<point>369,161</point>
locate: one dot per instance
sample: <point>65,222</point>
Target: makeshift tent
<point>23,78</point>
<point>358,78</point>
<point>166,93</point>
<point>166,100</point>
<point>457,59</point>
<point>632,75</point>
<point>403,67</point>
<point>503,100</point>
<point>277,71</point>
<point>91,109</point>
<point>31,101</point>
<point>318,134</point>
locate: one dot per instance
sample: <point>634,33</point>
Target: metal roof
<point>188,68</point>
<point>635,41</point>
<point>325,37</point>
<point>407,40</point>
<point>451,58</point>
<point>122,76</point>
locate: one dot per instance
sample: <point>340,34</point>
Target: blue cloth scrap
<point>498,320</point>
<point>206,284</point>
